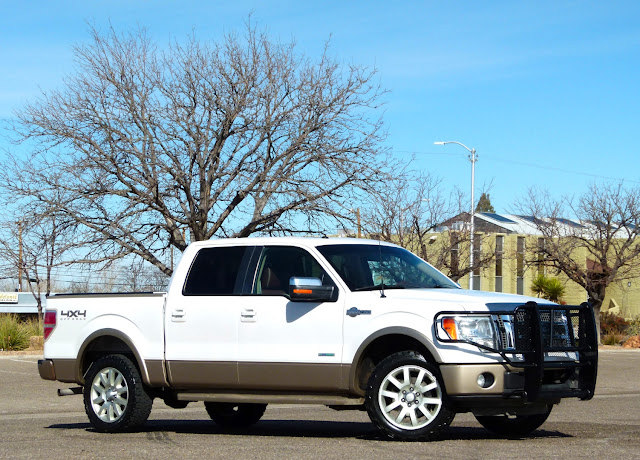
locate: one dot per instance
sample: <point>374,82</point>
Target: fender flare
<point>392,330</point>
<point>108,332</point>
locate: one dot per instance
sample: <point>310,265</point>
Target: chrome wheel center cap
<point>410,397</point>
<point>111,394</point>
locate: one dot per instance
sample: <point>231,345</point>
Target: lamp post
<point>473,158</point>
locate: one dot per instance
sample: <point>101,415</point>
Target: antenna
<point>382,296</point>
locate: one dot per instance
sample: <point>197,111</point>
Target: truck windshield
<point>372,266</point>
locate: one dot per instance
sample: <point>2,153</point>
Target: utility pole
<point>359,226</point>
<point>473,157</point>
<point>19,256</point>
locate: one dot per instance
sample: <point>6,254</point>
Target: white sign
<point>8,297</point>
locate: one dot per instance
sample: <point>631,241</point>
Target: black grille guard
<point>566,333</point>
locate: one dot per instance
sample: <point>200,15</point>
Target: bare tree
<point>413,211</point>
<point>138,276</point>
<point>453,251</point>
<point>33,246</point>
<point>405,209</point>
<point>600,247</point>
<point>219,139</point>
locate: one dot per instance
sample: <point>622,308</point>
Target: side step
<point>267,398</point>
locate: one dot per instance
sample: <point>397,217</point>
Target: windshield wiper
<point>366,288</point>
<point>377,286</point>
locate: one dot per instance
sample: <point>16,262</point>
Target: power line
<point>546,167</point>
<point>566,171</point>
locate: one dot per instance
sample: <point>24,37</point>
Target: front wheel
<point>405,398</point>
<point>231,415</point>
<point>515,426</point>
<point>114,397</point>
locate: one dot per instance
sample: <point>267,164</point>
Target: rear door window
<point>217,271</point>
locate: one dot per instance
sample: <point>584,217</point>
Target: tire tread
<point>139,404</point>
<point>445,417</point>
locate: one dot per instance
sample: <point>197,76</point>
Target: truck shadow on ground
<point>157,429</point>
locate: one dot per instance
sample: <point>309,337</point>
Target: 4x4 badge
<point>75,314</point>
<point>353,312</point>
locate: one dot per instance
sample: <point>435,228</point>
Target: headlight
<point>474,329</point>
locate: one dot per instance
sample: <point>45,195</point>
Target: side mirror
<point>310,290</point>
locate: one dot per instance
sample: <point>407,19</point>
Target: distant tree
<point>405,210</point>
<point>484,204</point>
<point>413,211</point>
<point>223,139</point>
<point>606,231</point>
<point>139,276</point>
<point>33,245</point>
<point>454,251</point>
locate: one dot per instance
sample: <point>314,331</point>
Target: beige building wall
<point>623,297</point>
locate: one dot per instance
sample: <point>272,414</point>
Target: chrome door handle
<point>248,315</point>
<point>178,315</point>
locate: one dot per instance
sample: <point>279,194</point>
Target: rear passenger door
<point>201,322</point>
<point>285,345</point>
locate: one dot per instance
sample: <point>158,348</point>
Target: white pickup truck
<point>342,322</point>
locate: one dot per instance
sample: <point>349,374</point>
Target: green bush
<point>33,326</point>
<point>548,288</point>
<point>13,334</point>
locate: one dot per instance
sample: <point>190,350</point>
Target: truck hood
<point>454,299</point>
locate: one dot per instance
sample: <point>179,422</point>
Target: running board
<point>264,398</point>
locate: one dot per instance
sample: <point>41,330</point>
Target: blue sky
<point>547,91</point>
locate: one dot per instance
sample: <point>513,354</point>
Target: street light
<point>473,158</point>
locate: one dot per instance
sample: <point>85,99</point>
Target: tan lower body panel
<point>460,379</point>
<point>202,374</point>
<point>156,376</point>
<point>259,376</point>
<point>291,376</point>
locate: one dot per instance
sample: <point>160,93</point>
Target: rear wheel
<point>513,426</point>
<point>232,415</point>
<point>405,398</point>
<point>114,397</point>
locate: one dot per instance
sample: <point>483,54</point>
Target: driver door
<point>285,345</point>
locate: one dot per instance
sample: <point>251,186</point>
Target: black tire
<point>516,426</point>
<point>415,407</point>
<point>115,399</point>
<point>232,415</point>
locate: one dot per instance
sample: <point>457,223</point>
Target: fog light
<point>485,380</point>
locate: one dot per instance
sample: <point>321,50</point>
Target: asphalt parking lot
<point>35,423</point>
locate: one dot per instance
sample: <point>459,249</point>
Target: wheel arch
<point>104,342</point>
<point>383,343</point>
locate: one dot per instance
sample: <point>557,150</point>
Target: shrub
<point>613,339</point>
<point>13,334</point>
<point>33,326</point>
<point>538,285</point>
<point>634,326</point>
<point>548,288</point>
<point>610,323</point>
